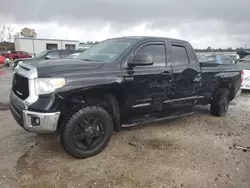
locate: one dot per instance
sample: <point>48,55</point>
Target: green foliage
<point>28,33</point>
<point>9,46</point>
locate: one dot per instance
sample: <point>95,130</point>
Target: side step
<point>157,118</point>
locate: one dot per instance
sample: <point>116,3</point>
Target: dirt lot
<point>195,151</point>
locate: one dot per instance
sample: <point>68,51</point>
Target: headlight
<point>48,85</point>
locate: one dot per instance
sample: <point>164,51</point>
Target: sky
<point>215,23</point>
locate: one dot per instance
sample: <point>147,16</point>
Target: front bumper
<point>245,87</point>
<point>35,122</point>
<point>32,120</point>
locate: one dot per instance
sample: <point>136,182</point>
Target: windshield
<point>106,51</point>
<point>41,54</point>
<point>245,65</point>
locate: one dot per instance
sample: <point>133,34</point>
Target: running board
<point>142,121</point>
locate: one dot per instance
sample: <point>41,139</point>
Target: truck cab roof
<point>151,38</point>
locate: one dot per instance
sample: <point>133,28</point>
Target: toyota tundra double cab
<point>119,82</point>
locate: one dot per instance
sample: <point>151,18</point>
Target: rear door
<point>186,75</point>
<point>147,86</point>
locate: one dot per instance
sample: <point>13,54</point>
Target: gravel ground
<point>193,151</point>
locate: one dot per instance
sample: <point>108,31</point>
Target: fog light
<point>35,121</point>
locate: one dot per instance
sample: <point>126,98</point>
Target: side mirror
<point>141,60</point>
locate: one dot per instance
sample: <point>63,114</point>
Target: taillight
<point>242,76</point>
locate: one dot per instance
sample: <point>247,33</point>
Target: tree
<point>2,33</point>
<point>6,32</point>
<point>28,33</point>
<point>9,33</point>
<point>16,35</point>
<point>7,46</point>
<point>209,49</point>
<point>89,43</point>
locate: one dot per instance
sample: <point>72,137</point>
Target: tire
<point>220,103</point>
<point>78,131</point>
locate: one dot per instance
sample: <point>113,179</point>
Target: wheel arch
<point>229,86</point>
<point>110,99</point>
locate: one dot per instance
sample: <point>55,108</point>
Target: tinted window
<point>179,55</point>
<point>53,55</point>
<point>65,53</point>
<point>157,51</point>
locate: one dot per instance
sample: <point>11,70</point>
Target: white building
<point>37,45</point>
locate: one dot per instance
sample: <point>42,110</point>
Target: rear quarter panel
<point>215,76</point>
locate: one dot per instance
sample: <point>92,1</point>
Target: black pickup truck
<point>117,83</point>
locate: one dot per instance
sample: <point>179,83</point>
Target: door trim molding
<point>182,99</point>
<point>141,105</point>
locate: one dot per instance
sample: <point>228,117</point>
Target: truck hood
<point>50,68</point>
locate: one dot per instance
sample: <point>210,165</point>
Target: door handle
<point>128,78</point>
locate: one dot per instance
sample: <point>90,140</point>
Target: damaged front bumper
<point>30,120</point>
<point>35,122</point>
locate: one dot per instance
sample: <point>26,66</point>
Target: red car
<point>2,58</point>
<point>16,55</point>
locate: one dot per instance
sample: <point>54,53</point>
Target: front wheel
<point>220,103</point>
<point>87,132</point>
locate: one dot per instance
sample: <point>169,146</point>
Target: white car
<point>245,65</point>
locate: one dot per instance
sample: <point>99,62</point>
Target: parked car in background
<point>2,60</point>
<point>210,58</point>
<point>246,58</point>
<point>119,82</point>
<point>235,58</point>
<point>245,66</point>
<point>223,58</point>
<point>46,55</point>
<point>243,53</point>
<point>16,55</point>
<point>72,56</point>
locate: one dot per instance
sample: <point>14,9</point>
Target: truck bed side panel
<point>215,76</point>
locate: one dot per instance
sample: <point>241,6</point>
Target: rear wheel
<point>87,132</point>
<point>220,102</point>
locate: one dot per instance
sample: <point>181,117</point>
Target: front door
<point>147,86</point>
<point>186,77</point>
